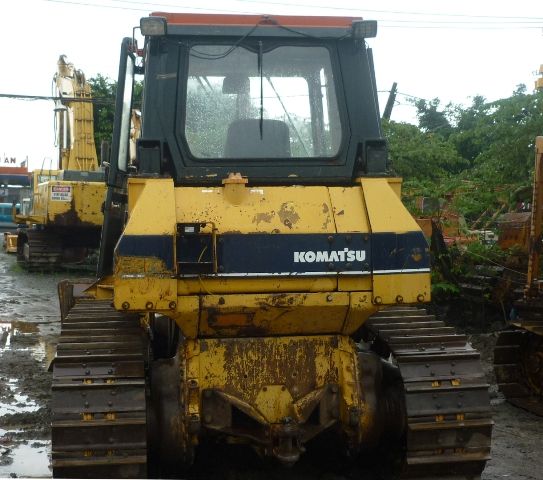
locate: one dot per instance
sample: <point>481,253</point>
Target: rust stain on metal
<point>241,322</point>
<point>326,222</point>
<point>416,254</point>
<point>70,218</point>
<point>253,363</point>
<point>263,217</point>
<point>288,215</point>
<point>281,300</point>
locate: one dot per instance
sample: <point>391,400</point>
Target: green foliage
<point>476,161</point>
<point>443,286</point>
<point>103,92</point>
<point>477,254</point>
<point>104,110</point>
<point>432,120</point>
<point>481,156</point>
<point>421,155</point>
<point>442,290</point>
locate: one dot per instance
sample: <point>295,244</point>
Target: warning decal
<point>61,193</point>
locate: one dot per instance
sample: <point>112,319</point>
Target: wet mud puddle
<point>24,420</point>
<point>29,458</point>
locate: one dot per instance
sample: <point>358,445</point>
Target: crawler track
<point>518,364</point>
<point>99,395</point>
<point>449,423</point>
<point>38,250</point>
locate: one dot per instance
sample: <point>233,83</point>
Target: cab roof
<point>284,25</point>
<point>265,20</point>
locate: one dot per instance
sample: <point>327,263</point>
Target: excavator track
<point>447,406</point>
<point>518,364</point>
<point>38,250</point>
<point>99,394</point>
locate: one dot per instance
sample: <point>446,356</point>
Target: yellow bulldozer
<point>260,281</point>
<point>64,216</point>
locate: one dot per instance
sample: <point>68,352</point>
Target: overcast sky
<point>450,50</point>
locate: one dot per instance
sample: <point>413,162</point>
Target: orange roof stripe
<point>192,19</point>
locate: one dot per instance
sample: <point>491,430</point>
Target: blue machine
<point>6,215</point>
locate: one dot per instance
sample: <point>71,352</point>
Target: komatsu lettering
<point>318,256</point>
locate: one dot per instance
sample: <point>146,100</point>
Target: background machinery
<point>64,215</point>
<point>7,222</point>
<point>518,356</point>
<point>260,281</point>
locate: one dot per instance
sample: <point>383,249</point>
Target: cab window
<point>246,102</point>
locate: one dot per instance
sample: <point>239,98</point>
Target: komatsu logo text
<point>344,255</point>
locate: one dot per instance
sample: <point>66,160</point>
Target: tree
<point>481,155</point>
<point>430,119</point>
<point>103,92</point>
<point>416,154</point>
<point>468,139</point>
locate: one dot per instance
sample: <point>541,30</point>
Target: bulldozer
<point>518,355</point>
<point>260,282</point>
<point>63,217</point>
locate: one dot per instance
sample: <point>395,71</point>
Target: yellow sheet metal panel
<point>209,285</point>
<point>154,211</point>
<point>68,203</point>
<point>274,402</point>
<point>262,210</point>
<point>401,288</point>
<point>40,201</point>
<point>360,309</point>
<point>136,267</point>
<point>275,377</point>
<point>145,293</point>
<point>89,198</point>
<point>10,242</point>
<point>273,314</point>
<point>349,210</point>
<point>40,196</point>
<point>187,315</point>
<point>135,187</point>
<point>396,185</point>
<point>386,212</point>
<point>354,283</point>
<point>350,386</point>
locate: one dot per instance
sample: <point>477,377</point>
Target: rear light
<point>153,26</point>
<point>364,29</point>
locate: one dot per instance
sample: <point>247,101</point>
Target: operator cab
<point>280,99</point>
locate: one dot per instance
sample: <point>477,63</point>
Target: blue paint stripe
<point>294,253</point>
<point>157,246</point>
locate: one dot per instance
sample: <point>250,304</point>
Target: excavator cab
<point>246,256</point>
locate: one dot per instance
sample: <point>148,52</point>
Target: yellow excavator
<point>64,216</point>
<point>259,281</point>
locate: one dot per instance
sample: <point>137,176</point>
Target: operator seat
<point>243,139</point>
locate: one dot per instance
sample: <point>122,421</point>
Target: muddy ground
<point>29,326</point>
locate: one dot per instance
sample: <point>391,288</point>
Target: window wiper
<point>260,72</point>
